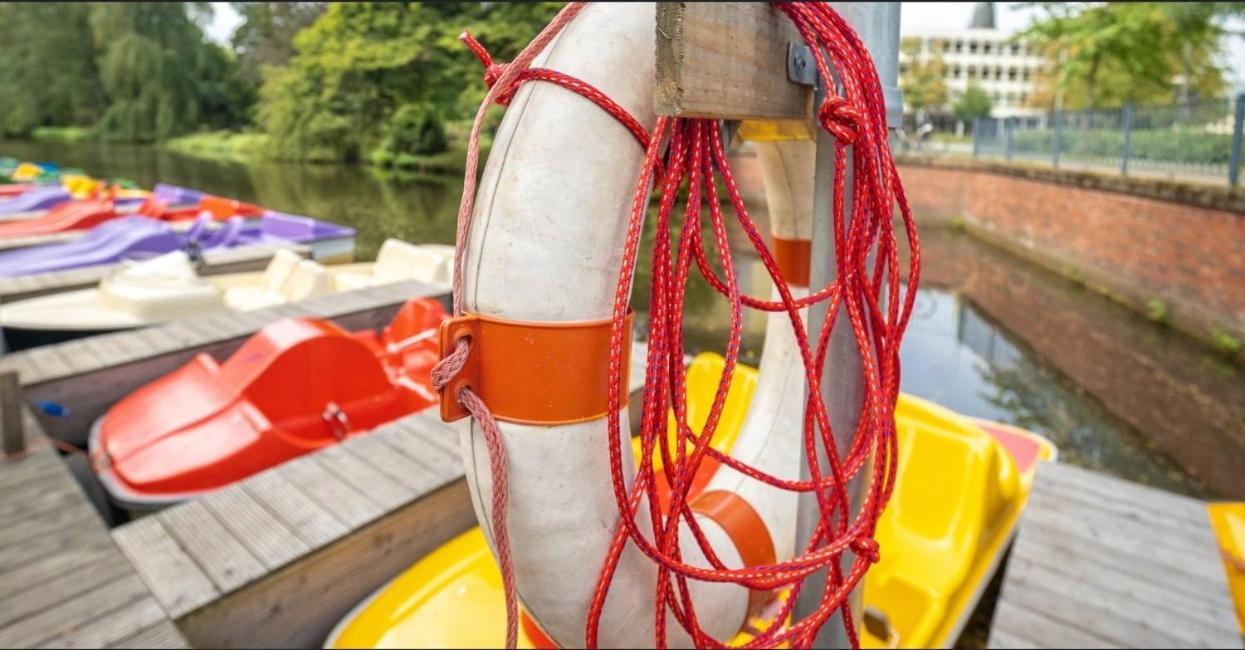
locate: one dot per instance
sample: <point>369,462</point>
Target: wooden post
<point>727,61</point>
<point>11,433</point>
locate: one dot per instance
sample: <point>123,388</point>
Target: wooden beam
<point>727,61</point>
<point>14,438</point>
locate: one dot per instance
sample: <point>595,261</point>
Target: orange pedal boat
<point>295,386</point>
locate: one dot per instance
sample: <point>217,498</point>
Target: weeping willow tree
<point>363,73</point>
<point>160,76</point>
<point>47,67</point>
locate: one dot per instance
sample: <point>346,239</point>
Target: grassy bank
<point>253,147</point>
<point>228,145</point>
<point>61,134</point>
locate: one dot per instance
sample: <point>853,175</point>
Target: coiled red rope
<point>685,158</point>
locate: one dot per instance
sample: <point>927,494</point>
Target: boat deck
<point>63,582</point>
<point>1100,562</point>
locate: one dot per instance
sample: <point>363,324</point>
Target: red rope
<point>876,305</point>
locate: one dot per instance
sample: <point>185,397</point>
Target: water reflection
<point>993,337</point>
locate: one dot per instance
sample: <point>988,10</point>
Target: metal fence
<point>1199,141</point>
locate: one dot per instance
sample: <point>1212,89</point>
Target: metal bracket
<point>801,68</point>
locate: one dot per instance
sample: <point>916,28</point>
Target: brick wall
<point>1132,248</point>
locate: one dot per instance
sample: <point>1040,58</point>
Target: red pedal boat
<point>295,386</point>
<point>83,214</point>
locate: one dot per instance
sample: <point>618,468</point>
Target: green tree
<point>265,36</point>
<point>47,67</point>
<point>160,76</point>
<point>1108,54</point>
<point>922,81</point>
<point>972,104</point>
<point>358,63</point>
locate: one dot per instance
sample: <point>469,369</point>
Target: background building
<point>983,55</point>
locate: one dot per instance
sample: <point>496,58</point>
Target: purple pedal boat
<point>137,238</point>
<point>33,202</point>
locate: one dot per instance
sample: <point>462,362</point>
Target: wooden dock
<point>1100,562</point>
<point>63,583</point>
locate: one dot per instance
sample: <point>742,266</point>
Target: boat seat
<point>269,292</point>
<point>950,466</point>
<point>162,288</point>
<point>309,279</point>
<point>399,261</point>
<point>291,279</point>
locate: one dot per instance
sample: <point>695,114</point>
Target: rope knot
<point>840,118</point>
<point>450,365</point>
<point>492,69</point>
<point>867,548</point>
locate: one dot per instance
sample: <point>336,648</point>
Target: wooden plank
<point>385,491</point>
<point>174,578</point>
<point>346,503</point>
<point>1145,601</point>
<point>116,625</point>
<point>52,589</point>
<point>12,431</point>
<point>298,605</point>
<point>1066,478</point>
<point>310,521</point>
<point>221,556</point>
<point>726,61</point>
<point>161,635</point>
<point>1016,621</point>
<point>1054,546</point>
<point>1146,549</point>
<point>34,574</point>
<point>393,463</point>
<point>260,530</point>
<point>43,628</point>
<point>1119,623</point>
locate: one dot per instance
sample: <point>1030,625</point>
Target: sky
<point>913,16</point>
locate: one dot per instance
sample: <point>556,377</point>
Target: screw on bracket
<point>800,66</point>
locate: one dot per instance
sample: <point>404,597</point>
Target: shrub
<point>417,129</point>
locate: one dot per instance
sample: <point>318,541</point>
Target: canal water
<point>992,337</point>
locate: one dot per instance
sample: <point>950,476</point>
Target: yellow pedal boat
<point>962,486</point>
<point>1228,522</point>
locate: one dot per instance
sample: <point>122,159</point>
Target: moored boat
<point>939,547</point>
<point>167,287</point>
<point>295,386</point>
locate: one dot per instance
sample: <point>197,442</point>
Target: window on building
<point>985,48</point>
<point>959,46</point>
<point>946,46</point>
<point>972,47</point>
<point>1012,73</point>
<point>1015,48</point>
<point>972,72</point>
<point>1024,74</point>
<point>1024,98</point>
<point>956,72</point>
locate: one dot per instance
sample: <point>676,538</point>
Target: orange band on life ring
<point>745,528</point>
<point>794,259</point>
<point>534,373</point>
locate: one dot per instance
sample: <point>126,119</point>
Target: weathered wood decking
<point>1100,562</point>
<point>217,261</point>
<point>278,559</point>
<point>63,582</point>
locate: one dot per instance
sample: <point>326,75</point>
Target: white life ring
<point>544,247</point>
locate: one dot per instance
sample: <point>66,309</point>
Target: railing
<point>1197,142</point>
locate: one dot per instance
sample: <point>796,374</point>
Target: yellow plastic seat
<point>956,503</point>
<point>1227,520</point>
